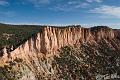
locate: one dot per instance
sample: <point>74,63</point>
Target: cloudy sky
<point>61,12</point>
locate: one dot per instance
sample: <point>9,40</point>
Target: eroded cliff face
<point>39,50</point>
<point>50,39</point>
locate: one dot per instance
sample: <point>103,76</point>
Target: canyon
<point>38,57</point>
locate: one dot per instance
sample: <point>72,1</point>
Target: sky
<point>61,12</point>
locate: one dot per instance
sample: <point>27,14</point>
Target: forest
<point>14,35</point>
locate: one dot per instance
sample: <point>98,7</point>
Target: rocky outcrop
<point>50,39</point>
<point>39,50</point>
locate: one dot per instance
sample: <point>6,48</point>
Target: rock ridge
<point>50,39</point>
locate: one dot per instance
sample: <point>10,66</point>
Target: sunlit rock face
<point>38,51</point>
<point>50,39</point>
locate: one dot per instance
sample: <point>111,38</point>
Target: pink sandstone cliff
<point>50,39</point>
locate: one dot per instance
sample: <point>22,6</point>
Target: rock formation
<point>49,40</point>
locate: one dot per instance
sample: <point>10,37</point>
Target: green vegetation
<point>70,65</point>
<point>11,71</point>
<point>14,35</point>
<point>88,61</point>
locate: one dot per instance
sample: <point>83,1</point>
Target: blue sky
<point>61,12</point>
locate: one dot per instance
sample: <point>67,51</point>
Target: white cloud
<point>70,5</point>
<point>74,4</point>
<point>82,5</point>
<point>38,3</point>
<point>94,1</point>
<point>63,5</point>
<point>3,3</point>
<point>112,11</point>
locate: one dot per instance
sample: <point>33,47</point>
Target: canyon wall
<point>38,52</point>
<point>50,39</point>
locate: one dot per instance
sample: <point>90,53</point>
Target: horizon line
<point>111,25</point>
